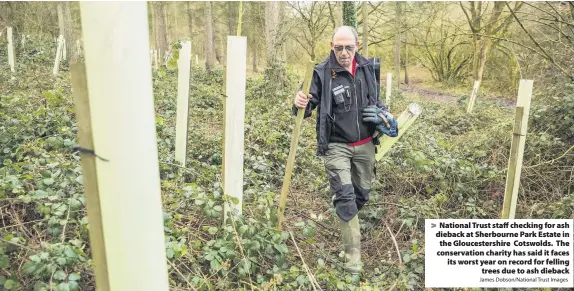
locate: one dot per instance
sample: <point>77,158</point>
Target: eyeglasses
<point>339,48</point>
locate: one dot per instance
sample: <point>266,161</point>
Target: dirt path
<point>435,95</point>
<point>444,97</point>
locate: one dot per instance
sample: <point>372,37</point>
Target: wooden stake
<point>89,176</point>
<point>123,127</point>
<point>58,55</point>
<point>10,50</point>
<point>517,149</point>
<point>472,98</point>
<point>294,142</point>
<point>389,89</point>
<point>404,121</point>
<point>184,63</point>
<point>235,82</point>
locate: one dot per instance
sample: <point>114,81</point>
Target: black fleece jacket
<point>343,122</point>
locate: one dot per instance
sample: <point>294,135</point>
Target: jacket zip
<point>357,106</point>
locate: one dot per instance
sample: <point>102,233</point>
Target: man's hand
<point>372,114</point>
<point>393,131</point>
<point>301,100</point>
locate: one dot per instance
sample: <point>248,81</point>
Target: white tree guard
<point>58,56</point>
<point>10,50</point>
<point>64,52</point>
<point>234,119</point>
<point>184,66</point>
<point>116,45</point>
<point>472,98</point>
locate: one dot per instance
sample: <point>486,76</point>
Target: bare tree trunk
<point>161,29</point>
<point>69,33</point>
<point>61,25</point>
<point>339,14</point>
<point>168,26</point>
<point>271,30</point>
<point>189,18</point>
<point>331,13</point>
<point>481,53</point>
<point>365,30</point>
<point>283,48</point>
<point>221,48</point>
<point>216,29</point>
<point>254,64</point>
<point>313,51</point>
<point>398,45</point>
<point>232,14</point>
<point>175,18</point>
<point>152,19</point>
<point>209,47</point>
<point>406,62</point>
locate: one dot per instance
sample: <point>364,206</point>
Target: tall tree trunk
<point>398,16</point>
<point>331,13</point>
<point>152,19</point>
<point>482,29</point>
<point>175,19</point>
<point>168,26</point>
<point>189,18</point>
<point>365,30</point>
<point>349,14</point>
<point>339,14</point>
<point>161,28</point>
<point>270,30</point>
<point>209,47</point>
<point>282,46</point>
<point>406,62</point>
<point>254,61</point>
<point>232,14</point>
<point>216,30</point>
<point>313,51</point>
<point>69,34</point>
<point>61,25</point>
<point>481,53</point>
<point>220,38</point>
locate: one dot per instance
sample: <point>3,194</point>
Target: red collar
<point>354,68</point>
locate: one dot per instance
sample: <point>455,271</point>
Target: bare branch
<point>467,17</point>
<point>544,53</point>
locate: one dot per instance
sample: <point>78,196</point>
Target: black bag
<point>375,63</point>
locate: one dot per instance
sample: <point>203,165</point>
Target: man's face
<point>344,47</point>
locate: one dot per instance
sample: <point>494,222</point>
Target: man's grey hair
<point>352,29</point>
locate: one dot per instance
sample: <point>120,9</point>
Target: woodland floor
<point>448,165</point>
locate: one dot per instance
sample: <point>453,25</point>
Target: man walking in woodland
<point>344,91</point>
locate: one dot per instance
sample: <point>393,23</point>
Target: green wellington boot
<point>351,236</point>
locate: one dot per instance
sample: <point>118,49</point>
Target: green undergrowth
<point>448,165</point>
